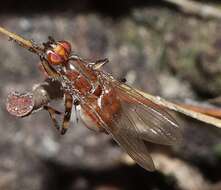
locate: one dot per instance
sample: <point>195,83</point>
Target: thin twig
<point>27,44</point>
<point>196,8</point>
<point>188,112</point>
<point>208,110</point>
<point>196,115</point>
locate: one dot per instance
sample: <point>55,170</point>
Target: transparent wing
<point>153,123</point>
<point>124,132</point>
<point>137,121</point>
<point>127,135</point>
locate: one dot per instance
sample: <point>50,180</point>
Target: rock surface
<point>157,49</point>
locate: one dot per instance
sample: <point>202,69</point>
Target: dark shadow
<point>128,178</point>
<point>108,8</point>
<point>211,171</point>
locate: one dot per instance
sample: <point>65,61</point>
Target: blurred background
<point>161,47</point>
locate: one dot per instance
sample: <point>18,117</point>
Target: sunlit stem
<point>28,44</point>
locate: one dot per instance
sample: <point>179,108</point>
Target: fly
<point>106,104</point>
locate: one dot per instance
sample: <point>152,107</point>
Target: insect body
<point>107,105</point>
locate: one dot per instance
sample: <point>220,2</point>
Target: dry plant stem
<point>214,112</point>
<point>196,115</point>
<point>196,8</point>
<point>28,44</point>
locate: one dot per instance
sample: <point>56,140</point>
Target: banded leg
<point>52,112</point>
<point>67,114</point>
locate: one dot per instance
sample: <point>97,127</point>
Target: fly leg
<point>99,63</point>
<point>51,72</point>
<point>95,65</point>
<point>76,103</point>
<point>43,71</point>
<point>52,112</point>
<point>67,113</point>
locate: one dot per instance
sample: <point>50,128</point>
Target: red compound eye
<point>55,58</point>
<point>66,45</point>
